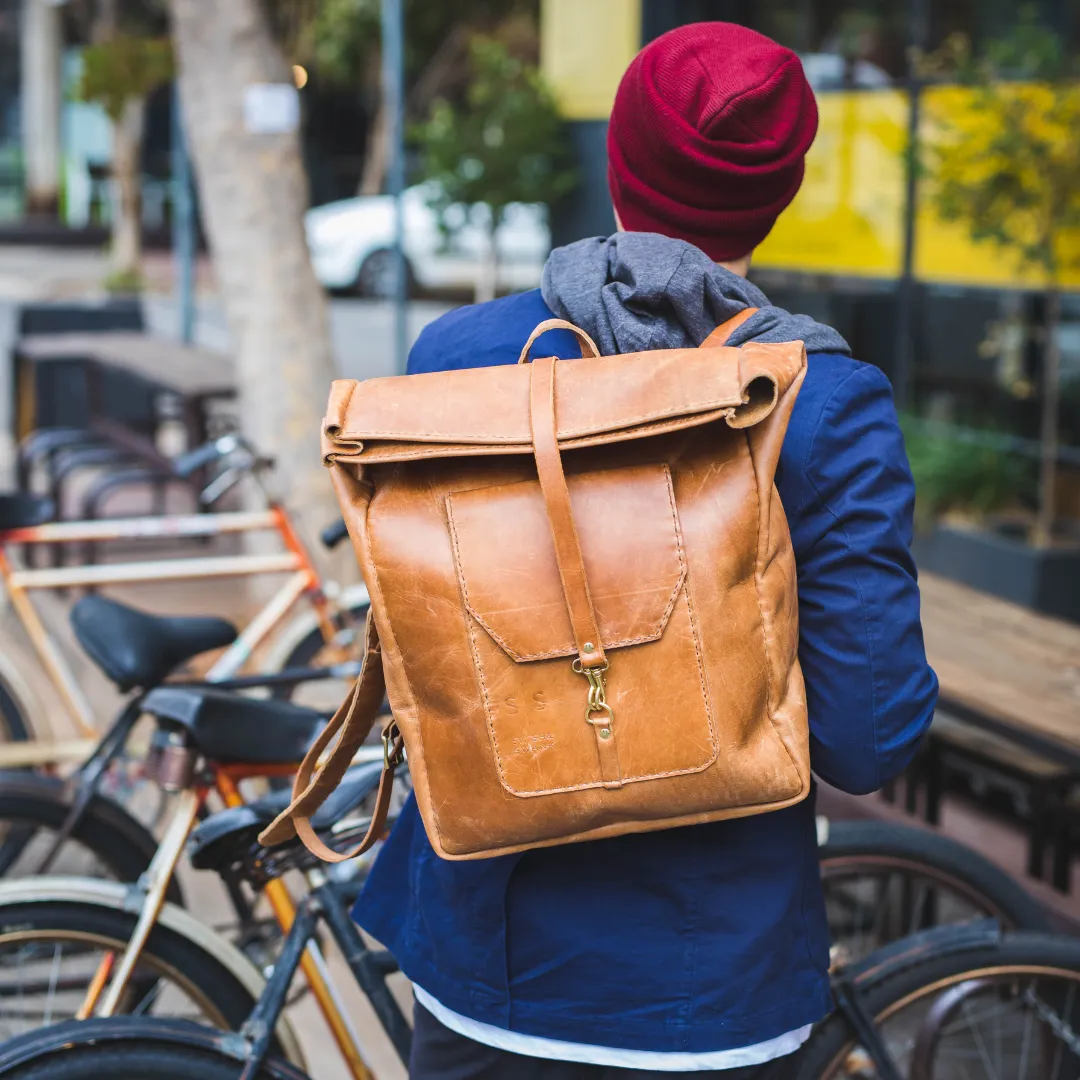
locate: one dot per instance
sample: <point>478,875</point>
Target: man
<point>704,950</point>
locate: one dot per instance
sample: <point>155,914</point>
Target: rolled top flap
<point>598,399</point>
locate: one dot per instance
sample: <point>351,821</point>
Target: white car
<point>351,244</point>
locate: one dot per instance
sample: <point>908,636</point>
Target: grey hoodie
<point>637,291</point>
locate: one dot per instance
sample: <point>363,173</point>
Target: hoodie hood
<point>638,291</point>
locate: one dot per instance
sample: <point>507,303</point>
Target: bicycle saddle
<point>136,649</point>
<point>216,842</point>
<point>228,727</point>
<point>24,511</point>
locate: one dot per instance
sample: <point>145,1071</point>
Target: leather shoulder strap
<point>351,724</point>
<point>721,334</point>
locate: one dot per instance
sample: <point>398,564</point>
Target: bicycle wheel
<point>107,842</point>
<point>135,1060</point>
<point>883,882</point>
<point>312,651</point>
<point>1005,1010</point>
<point>50,950</point>
<point>14,726</point>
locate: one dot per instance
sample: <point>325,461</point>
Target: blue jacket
<point>714,936</point>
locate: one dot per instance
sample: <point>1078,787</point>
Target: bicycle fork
<point>152,887</point>
<point>850,1003</point>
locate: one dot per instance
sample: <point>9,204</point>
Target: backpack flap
<point>599,400</point>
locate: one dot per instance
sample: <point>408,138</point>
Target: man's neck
<point>737,266</point>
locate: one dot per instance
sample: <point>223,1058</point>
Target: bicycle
<point>58,909</point>
<point>300,646</point>
<point>916,1010</point>
<point>49,924</point>
<point>881,881</point>
<point>884,881</point>
<point>956,1003</point>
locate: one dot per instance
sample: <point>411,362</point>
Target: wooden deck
<point>1017,668</point>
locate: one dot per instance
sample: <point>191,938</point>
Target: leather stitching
<point>511,440</point>
<point>554,654</point>
<point>571,650</point>
<point>758,572</point>
<point>714,741</point>
<point>371,578</point>
<point>479,667</point>
<point>488,713</point>
<point>606,438</point>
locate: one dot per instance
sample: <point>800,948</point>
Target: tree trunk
<point>125,256</point>
<point>106,21</point>
<point>254,193</point>
<point>1048,431</point>
<point>377,151</point>
<point>40,48</point>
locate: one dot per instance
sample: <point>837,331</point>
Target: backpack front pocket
<point>522,640</point>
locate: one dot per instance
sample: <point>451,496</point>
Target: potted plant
<point>1008,169</point>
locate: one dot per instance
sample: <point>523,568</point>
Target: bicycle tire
<point>30,802</point>
<point>224,1000</point>
<point>13,725</point>
<point>876,844</point>
<point>135,1060</point>
<point>307,649</point>
<point>928,971</point>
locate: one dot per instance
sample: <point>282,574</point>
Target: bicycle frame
<point>20,583</point>
<point>369,968</point>
<point>105,991</point>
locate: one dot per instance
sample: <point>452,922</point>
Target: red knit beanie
<point>708,133</point>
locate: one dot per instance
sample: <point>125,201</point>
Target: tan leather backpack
<point>583,595</point>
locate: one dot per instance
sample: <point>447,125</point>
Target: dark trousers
<point>441,1054</point>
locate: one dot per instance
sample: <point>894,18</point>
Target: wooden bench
<point>1007,730</point>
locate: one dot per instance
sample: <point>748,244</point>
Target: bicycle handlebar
<point>186,464</point>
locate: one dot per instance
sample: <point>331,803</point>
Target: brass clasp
<point>597,712</point>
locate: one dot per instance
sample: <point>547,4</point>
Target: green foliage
<point>344,40</point>
<point>340,39</point>
<point>505,144</point>
<point>954,474</point>
<point>126,67</point>
<point>1009,168</point>
<point>124,283</point>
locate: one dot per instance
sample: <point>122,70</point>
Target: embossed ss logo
<point>539,703</point>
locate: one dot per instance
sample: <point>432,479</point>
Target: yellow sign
<point>848,217</point>
<point>585,46</point>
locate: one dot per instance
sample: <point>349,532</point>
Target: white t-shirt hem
<point>586,1054</point>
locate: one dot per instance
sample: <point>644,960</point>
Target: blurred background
<point>259,195</point>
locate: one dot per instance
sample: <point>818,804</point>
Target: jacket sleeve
<point>870,691</point>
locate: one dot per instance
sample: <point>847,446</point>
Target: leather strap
<point>721,334</point>
<point>351,725</point>
<point>560,517</point>
<point>584,341</point>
